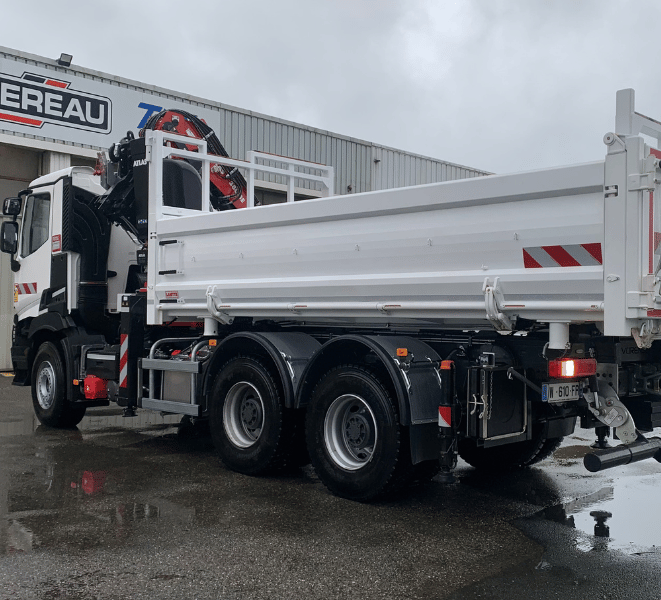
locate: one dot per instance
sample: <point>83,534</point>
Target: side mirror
<point>12,206</point>
<point>9,236</point>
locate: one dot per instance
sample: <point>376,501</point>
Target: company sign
<point>75,108</point>
<point>33,100</point>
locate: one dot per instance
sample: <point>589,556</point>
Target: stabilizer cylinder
<point>623,454</point>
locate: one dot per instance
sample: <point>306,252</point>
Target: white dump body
<point>474,253</point>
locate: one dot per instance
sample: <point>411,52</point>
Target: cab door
<point>34,252</point>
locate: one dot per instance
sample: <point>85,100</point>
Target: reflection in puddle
<point>79,488</point>
<point>623,516</point>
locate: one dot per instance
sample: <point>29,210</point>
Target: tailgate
<point>632,227</point>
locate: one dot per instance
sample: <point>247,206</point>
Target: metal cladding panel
<point>394,168</point>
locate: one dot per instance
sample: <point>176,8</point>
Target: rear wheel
<point>251,430</point>
<point>49,390</point>
<point>510,456</point>
<point>354,437</point>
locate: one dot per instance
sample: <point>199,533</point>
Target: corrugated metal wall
<point>359,166</point>
<point>363,166</point>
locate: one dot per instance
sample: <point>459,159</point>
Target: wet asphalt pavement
<point>136,508</point>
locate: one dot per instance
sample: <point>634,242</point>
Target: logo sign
<point>33,100</point>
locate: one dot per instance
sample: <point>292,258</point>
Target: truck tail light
<point>572,368</point>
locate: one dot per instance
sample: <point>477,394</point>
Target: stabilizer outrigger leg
<point>624,454</point>
<point>448,416</point>
<point>605,405</point>
<point>602,431</point>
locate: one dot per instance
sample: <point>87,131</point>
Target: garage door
<point>18,166</point>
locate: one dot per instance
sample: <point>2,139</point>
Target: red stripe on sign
<point>655,152</point>
<point>529,262</point>
<point>655,312</point>
<point>595,251</point>
<point>22,120</point>
<point>561,256</point>
<point>59,84</point>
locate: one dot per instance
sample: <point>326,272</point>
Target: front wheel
<point>354,437</point>
<point>49,397</point>
<point>251,430</point>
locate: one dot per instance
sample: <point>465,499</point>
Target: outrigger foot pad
<point>446,477</point>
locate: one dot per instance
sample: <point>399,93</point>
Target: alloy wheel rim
<point>350,432</point>
<point>243,414</point>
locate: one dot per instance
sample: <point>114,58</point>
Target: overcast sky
<point>500,85</point>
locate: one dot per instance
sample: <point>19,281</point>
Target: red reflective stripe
<point>529,262</point>
<point>22,120</point>
<point>123,359</point>
<point>595,251</point>
<point>561,256</point>
<point>445,416</point>
<point>59,84</point>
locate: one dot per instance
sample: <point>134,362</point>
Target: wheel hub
<point>251,415</point>
<point>45,387</point>
<point>357,430</point>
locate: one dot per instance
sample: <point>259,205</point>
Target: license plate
<point>560,392</point>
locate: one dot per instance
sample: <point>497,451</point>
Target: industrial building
<point>54,115</point>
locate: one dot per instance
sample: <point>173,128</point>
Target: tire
<point>510,456</point>
<point>424,471</point>
<point>354,438</point>
<point>252,432</point>
<point>49,397</point>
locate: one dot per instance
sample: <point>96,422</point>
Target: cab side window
<point>35,223</point>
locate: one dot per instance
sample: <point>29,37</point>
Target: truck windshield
<point>35,223</point>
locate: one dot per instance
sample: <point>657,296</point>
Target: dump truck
<point>378,335</point>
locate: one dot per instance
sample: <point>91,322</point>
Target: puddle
<point>571,452</point>
<point>621,516</point>
<point>96,419</point>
